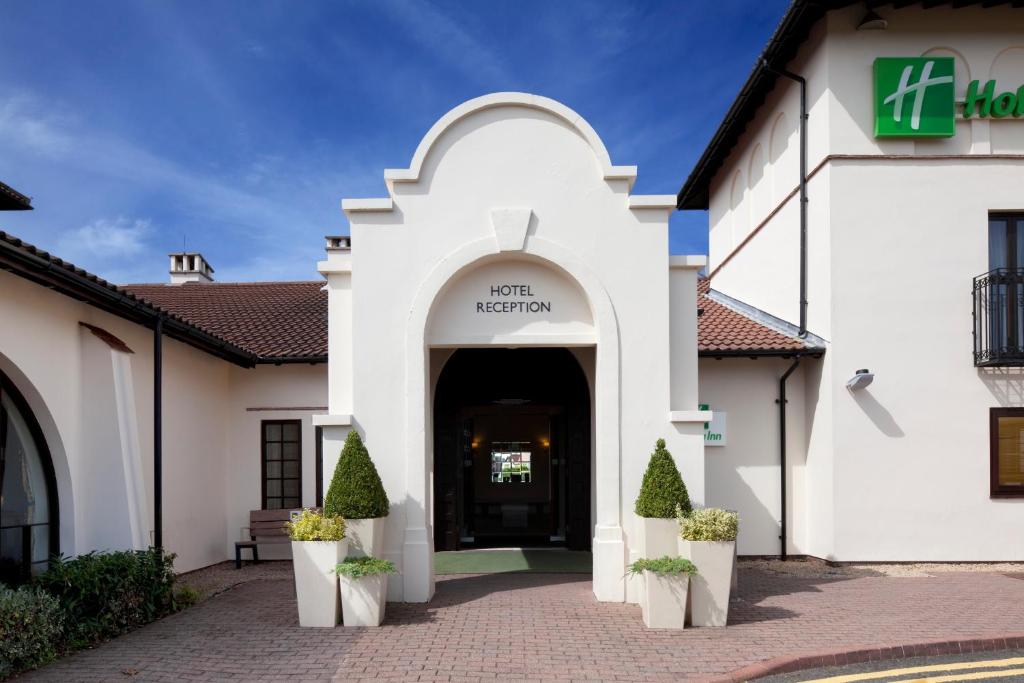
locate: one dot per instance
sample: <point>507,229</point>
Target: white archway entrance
<point>572,310</point>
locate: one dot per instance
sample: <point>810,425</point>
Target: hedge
<point>31,629</point>
<point>106,594</point>
<point>82,601</point>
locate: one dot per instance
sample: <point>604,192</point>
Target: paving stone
<point>548,627</point>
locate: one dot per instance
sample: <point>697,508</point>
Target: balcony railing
<point>999,318</point>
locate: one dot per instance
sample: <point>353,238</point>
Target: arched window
<point>28,497</point>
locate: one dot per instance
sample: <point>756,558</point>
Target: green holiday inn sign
<point>915,97</point>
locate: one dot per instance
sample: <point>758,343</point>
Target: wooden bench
<point>266,527</point>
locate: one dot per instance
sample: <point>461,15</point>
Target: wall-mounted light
<point>872,22</point>
<point>860,380</point>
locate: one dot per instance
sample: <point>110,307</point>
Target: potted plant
<point>318,544</point>
<point>666,583</point>
<point>364,589</point>
<point>707,537</point>
<point>661,492</point>
<point>357,495</point>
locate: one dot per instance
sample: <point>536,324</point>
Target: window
<point>28,500</point>
<point>1006,264</point>
<point>1007,452</point>
<point>282,464</point>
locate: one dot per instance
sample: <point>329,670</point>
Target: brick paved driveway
<point>546,627</point>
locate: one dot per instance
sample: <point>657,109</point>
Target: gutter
<point>781,400</point>
<point>813,352</point>
<point>290,360</point>
<point>802,82</point>
<point>47,273</point>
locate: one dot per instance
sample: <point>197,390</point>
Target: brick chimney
<point>190,266</point>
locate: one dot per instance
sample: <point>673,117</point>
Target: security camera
<point>860,380</point>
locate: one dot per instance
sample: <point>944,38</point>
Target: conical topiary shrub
<point>355,491</point>
<point>663,487</point>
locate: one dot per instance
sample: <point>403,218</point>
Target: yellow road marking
<point>976,676</point>
<point>952,666</point>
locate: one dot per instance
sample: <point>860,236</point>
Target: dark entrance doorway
<point>512,450</point>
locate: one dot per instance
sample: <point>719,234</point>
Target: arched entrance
<point>29,519</point>
<point>512,454</point>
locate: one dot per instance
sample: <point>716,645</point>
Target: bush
<point>709,524</point>
<point>106,594</point>
<point>663,488</point>
<point>356,491</point>
<point>664,566</point>
<point>31,629</point>
<point>313,526</point>
<point>358,567</point>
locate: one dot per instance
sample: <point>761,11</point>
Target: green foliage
<point>663,488</point>
<point>186,596</point>
<point>664,566</point>
<point>106,594</point>
<point>708,524</point>
<point>310,525</point>
<point>358,567</point>
<point>356,491</point>
<point>31,629</point>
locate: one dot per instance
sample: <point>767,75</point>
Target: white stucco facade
<point>94,405</point>
<point>897,229</point>
<point>512,189</point>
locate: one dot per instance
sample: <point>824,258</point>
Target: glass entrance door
<point>511,479</point>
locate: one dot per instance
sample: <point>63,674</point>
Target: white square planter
<point>664,600</point>
<point>658,537</point>
<point>710,588</point>
<point>366,536</point>
<point>362,600</point>
<point>316,584</point>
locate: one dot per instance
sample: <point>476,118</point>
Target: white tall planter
<point>710,588</point>
<point>366,536</point>
<point>658,538</point>
<point>316,584</point>
<point>362,599</point>
<point>664,600</point>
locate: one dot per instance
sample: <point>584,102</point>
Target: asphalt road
<point>1002,666</point>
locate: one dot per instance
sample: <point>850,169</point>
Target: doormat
<point>501,560</point>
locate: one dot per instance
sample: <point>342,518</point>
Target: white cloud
<point>105,240</point>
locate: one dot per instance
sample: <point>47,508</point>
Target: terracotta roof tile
<point>289,319</point>
<point>723,329</point>
<point>273,320</point>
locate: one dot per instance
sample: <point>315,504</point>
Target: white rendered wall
<point>54,363</point>
<point>912,450</point>
<point>295,391</point>
<point>744,475</point>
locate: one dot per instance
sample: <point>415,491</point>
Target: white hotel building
<point>510,298</point>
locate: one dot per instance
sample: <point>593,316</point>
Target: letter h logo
<point>914,97</point>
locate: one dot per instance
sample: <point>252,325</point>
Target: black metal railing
<point>999,318</point>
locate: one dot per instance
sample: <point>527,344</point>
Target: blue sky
<point>238,126</point>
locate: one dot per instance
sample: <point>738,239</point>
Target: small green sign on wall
<point>915,97</point>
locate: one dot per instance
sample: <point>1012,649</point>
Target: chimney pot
<point>190,266</point>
